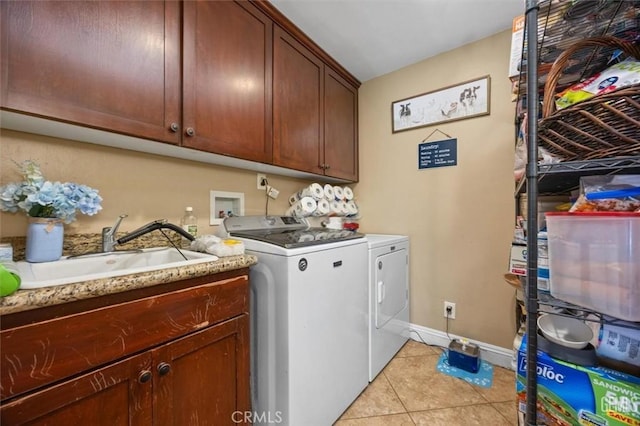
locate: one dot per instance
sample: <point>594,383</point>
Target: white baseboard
<point>493,354</point>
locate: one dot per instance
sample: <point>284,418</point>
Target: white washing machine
<point>388,298</point>
<point>309,319</point>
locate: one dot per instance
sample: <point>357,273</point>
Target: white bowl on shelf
<point>565,331</point>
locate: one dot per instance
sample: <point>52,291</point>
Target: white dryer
<point>388,298</point>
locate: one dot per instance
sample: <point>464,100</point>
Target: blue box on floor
<point>465,356</point>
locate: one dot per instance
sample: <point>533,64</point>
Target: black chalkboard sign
<point>438,154</point>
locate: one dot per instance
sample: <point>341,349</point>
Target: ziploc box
<point>569,394</point>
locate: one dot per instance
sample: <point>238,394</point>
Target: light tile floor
<point>410,391</point>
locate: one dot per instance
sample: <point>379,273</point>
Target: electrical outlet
<point>262,181</point>
<point>272,192</point>
<point>449,310</point>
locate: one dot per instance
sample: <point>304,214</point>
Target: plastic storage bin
<point>594,261</point>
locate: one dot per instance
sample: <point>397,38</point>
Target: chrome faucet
<point>109,233</point>
<point>109,240</point>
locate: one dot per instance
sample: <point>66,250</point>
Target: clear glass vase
<point>44,240</point>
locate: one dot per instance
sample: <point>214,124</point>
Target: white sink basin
<point>92,267</point>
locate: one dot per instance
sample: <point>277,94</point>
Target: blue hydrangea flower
<point>42,198</point>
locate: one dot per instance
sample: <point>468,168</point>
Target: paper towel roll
<point>352,208</point>
<point>304,207</point>
<point>344,210</point>
<point>348,193</point>
<point>338,193</point>
<point>293,199</point>
<point>323,208</point>
<point>335,209</point>
<point>314,191</point>
<point>328,192</point>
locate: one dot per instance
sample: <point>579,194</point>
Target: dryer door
<point>391,283</point>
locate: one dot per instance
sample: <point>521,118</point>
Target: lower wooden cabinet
<point>199,378</point>
<point>203,378</point>
<point>118,394</point>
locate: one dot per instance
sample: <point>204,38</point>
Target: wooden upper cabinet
<point>113,65</point>
<point>227,58</point>
<point>228,77</point>
<point>314,111</point>
<point>340,127</point>
<point>297,105</point>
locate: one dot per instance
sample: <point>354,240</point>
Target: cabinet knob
<point>163,368</point>
<point>327,167</point>
<point>321,166</point>
<point>144,376</point>
<point>174,127</point>
<point>190,131</point>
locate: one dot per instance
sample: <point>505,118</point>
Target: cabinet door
<point>204,378</point>
<point>297,105</point>
<point>59,346</point>
<point>113,65</point>
<point>340,127</point>
<point>118,394</point>
<point>227,79</point>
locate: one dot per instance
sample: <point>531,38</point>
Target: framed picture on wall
<point>458,102</point>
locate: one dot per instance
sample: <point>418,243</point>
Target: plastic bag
<point>622,74</point>
<point>217,246</point>
<point>620,193</point>
<point>520,161</point>
<point>228,247</point>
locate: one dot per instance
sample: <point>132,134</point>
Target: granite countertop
<point>23,300</point>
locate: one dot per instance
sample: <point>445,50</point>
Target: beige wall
<point>144,186</point>
<point>459,218</point>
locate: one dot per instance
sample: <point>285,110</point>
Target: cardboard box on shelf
<point>518,259</point>
<point>517,37</point>
<point>569,394</point>
<point>546,203</point>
